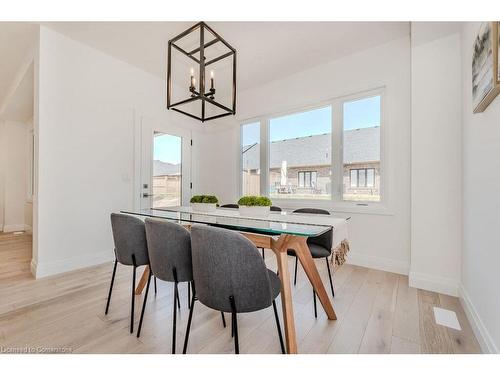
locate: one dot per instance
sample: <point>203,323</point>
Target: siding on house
<point>313,153</point>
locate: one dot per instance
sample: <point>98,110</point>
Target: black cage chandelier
<point>202,50</point>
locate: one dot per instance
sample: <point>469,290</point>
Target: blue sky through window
<point>167,148</point>
<point>363,113</point>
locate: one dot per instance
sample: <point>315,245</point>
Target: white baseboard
<point>433,283</point>
<point>33,267</point>
<point>44,269</point>
<point>483,336</point>
<point>378,263</point>
<point>7,228</point>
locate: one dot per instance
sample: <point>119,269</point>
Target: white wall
<point>378,240</point>
<point>436,136</point>
<point>481,207</point>
<point>87,107</point>
<point>13,171</point>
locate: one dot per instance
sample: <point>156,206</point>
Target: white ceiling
<point>17,41</point>
<point>19,106</point>
<point>266,50</point>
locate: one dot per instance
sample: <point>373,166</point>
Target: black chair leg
<point>133,295</point>
<point>188,328</point>
<point>315,308</point>
<point>178,301</point>
<point>330,275</point>
<point>279,327</point>
<point>232,326</point>
<point>189,295</point>
<point>234,319</point>
<point>296,264</point>
<point>263,254</point>
<point>143,306</point>
<point>223,319</point>
<point>176,298</point>
<point>156,290</point>
<point>111,287</point>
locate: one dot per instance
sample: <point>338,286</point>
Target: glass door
<point>165,171</point>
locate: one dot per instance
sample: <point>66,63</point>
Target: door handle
<point>146,195</point>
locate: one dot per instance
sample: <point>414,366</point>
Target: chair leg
<point>263,254</point>
<point>279,327</point>
<point>188,328</point>
<point>330,275</point>
<point>223,319</point>
<point>234,319</point>
<point>143,306</point>
<point>178,301</point>
<point>176,298</point>
<point>296,264</point>
<point>111,287</point>
<point>156,290</point>
<point>133,295</point>
<point>315,308</point>
<point>189,295</point>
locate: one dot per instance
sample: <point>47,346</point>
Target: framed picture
<point>485,66</point>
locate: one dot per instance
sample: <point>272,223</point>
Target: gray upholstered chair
<point>320,247</point>
<point>130,249</point>
<point>169,248</point>
<point>230,205</point>
<point>230,276</point>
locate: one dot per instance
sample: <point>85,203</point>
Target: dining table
<point>278,231</point>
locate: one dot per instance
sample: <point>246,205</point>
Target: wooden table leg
<point>299,244</point>
<point>286,302</point>
<point>143,281</point>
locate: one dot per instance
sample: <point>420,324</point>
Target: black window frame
<point>310,179</point>
<point>365,170</point>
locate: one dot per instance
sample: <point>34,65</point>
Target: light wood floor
<point>377,311</point>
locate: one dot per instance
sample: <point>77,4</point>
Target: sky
<point>357,114</point>
<point>167,148</point>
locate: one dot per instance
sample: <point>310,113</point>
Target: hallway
<point>15,257</point>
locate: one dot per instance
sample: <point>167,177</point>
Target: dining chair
<point>131,249</point>
<point>320,247</point>
<point>169,249</point>
<point>230,276</point>
<point>230,205</point>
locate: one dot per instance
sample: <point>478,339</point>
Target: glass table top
<point>273,224</point>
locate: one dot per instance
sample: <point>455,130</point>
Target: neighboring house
<point>166,184</point>
<point>301,166</point>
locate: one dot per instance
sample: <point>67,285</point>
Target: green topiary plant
<point>252,200</point>
<point>204,199</point>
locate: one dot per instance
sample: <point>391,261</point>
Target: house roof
<point>360,146</point>
<point>161,168</point>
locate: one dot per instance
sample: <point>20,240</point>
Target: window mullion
<point>264,157</point>
<point>337,167</point>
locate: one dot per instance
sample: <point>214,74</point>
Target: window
<point>250,159</point>
<point>362,178</point>
<point>298,143</point>
<point>332,152</point>
<point>361,149</point>
<point>307,179</point>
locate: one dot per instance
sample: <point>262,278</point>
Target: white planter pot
<point>204,207</point>
<point>252,211</point>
